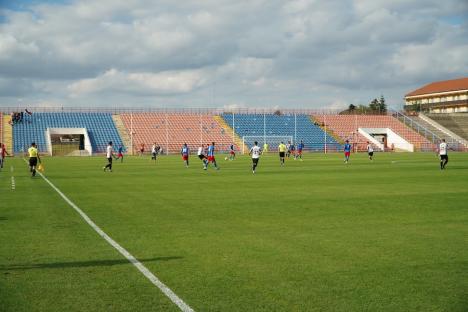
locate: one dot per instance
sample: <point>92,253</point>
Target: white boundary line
<point>13,184</point>
<point>147,273</point>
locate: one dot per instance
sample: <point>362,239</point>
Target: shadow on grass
<point>3,218</point>
<point>80,264</point>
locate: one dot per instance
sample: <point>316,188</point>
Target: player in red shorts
<point>347,151</point>
<point>211,156</point>
<point>232,153</point>
<point>120,154</point>
<point>185,152</point>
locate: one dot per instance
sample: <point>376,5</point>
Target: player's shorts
<point>371,153</point>
<point>255,160</point>
<point>347,154</point>
<point>232,153</point>
<point>185,157</point>
<point>32,161</point>
<point>443,157</point>
<point>299,152</point>
<point>109,160</point>
<point>211,158</point>
<point>201,157</point>
<point>154,155</point>
<point>119,155</point>
<point>281,154</point>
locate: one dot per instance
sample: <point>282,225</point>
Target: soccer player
<point>109,156</point>
<point>288,149</point>
<point>211,155</point>
<point>292,150</point>
<point>33,158</point>
<point>300,147</point>
<point>281,150</point>
<point>3,153</point>
<point>201,155</point>
<point>347,151</point>
<point>120,154</point>
<point>232,153</point>
<point>154,151</point>
<point>443,154</point>
<point>185,152</point>
<point>255,152</point>
<point>370,150</point>
<point>142,149</point>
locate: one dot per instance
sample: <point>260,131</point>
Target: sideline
<point>147,273</point>
<point>13,184</point>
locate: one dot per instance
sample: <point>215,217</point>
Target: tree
<point>382,104</point>
<point>374,105</point>
<point>351,107</point>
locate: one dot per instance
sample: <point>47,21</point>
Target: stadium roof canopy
<point>441,86</point>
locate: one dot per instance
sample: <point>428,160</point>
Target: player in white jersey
<point>443,154</point>
<point>201,155</point>
<point>370,150</point>
<point>154,151</point>
<point>109,155</point>
<point>255,152</point>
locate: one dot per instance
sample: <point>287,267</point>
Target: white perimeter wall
<point>64,131</point>
<point>392,138</point>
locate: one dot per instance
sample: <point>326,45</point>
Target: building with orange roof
<point>448,96</point>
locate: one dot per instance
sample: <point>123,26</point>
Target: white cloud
<point>148,83</point>
<point>304,53</point>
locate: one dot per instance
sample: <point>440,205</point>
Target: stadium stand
<point>431,130</point>
<point>172,130</point>
<point>457,122</point>
<point>345,126</point>
<point>300,126</point>
<point>100,127</point>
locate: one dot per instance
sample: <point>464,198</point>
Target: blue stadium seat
<point>282,125</point>
<point>100,126</point>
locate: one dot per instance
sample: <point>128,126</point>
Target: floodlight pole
<point>233,127</point>
<point>325,131</point>
<point>201,130</point>
<point>131,134</point>
<point>295,127</point>
<point>167,136</point>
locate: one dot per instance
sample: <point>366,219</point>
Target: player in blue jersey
<point>120,154</point>
<point>300,147</point>
<point>211,155</point>
<point>185,152</point>
<point>347,151</point>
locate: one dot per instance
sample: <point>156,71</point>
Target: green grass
<point>317,235</point>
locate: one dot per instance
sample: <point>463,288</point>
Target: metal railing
<point>428,134</point>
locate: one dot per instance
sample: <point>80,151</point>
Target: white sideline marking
<point>13,184</point>
<point>147,273</point>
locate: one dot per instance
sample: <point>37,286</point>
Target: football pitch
<point>317,235</point>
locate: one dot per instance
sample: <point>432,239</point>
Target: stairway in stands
<point>327,130</point>
<point>7,133</point>
<point>123,132</point>
<point>228,129</point>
